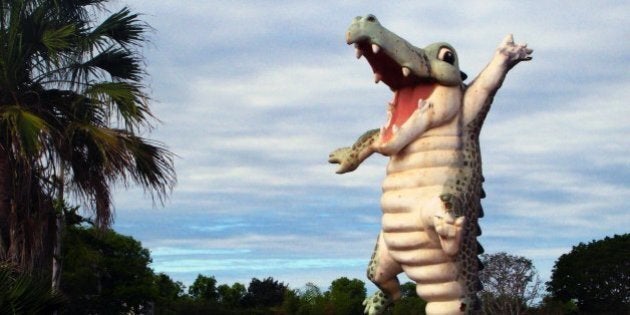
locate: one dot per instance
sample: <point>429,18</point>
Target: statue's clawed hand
<point>450,231</point>
<point>346,158</point>
<point>514,53</point>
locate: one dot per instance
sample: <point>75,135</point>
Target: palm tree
<point>72,108</point>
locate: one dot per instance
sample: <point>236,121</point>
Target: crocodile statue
<point>432,191</point>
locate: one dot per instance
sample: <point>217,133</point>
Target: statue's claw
<point>376,304</point>
<point>514,52</point>
<point>450,231</point>
<point>346,158</point>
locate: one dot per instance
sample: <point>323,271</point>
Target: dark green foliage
<point>169,294</point>
<point>596,275</point>
<point>231,296</point>
<point>550,306</point>
<point>204,289</point>
<point>265,293</point>
<point>106,273</point>
<point>21,293</point>
<point>347,296</point>
<point>312,301</point>
<point>291,302</point>
<point>410,303</point>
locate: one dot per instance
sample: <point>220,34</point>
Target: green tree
<point>204,289</point>
<point>169,294</point>
<point>596,275</point>
<point>106,273</point>
<point>231,296</point>
<point>551,306</point>
<point>312,301</point>
<point>410,303</point>
<point>167,288</point>
<point>510,283</point>
<point>264,293</point>
<point>72,108</point>
<point>291,302</point>
<point>347,296</point>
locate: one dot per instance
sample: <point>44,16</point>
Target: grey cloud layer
<point>254,96</point>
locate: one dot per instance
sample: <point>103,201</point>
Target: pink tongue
<point>405,103</point>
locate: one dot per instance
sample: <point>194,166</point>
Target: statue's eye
<point>446,55</point>
<point>371,18</point>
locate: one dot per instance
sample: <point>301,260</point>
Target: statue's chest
<point>435,153</point>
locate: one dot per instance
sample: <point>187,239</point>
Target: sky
<point>252,96</point>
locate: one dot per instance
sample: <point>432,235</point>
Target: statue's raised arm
<point>480,92</point>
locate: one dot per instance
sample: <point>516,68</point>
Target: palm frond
<point>58,39</point>
<point>122,27</point>
<point>93,158</point>
<point>124,100</point>
<point>25,128</point>
<point>118,63</point>
<point>153,165</point>
<point>21,293</point>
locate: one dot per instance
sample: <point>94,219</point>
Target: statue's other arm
<point>484,87</point>
<point>349,158</point>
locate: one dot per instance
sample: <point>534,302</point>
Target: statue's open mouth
<point>410,90</point>
<point>406,101</point>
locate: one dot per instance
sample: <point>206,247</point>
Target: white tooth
<point>421,103</point>
<point>359,53</point>
<point>377,78</point>
<point>390,106</point>
<point>396,128</point>
<point>382,130</point>
<point>406,71</point>
<point>389,118</point>
<point>375,48</point>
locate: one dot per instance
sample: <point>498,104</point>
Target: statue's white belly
<point>415,179</point>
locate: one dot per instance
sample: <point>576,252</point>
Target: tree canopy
<point>204,288</point>
<point>510,283</point>
<point>596,275</point>
<point>410,303</point>
<point>231,296</point>
<point>347,296</point>
<point>264,293</point>
<point>106,273</point>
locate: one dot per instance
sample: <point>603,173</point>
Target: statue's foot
<point>450,231</point>
<point>377,303</point>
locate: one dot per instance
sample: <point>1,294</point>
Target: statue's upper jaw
<point>394,61</point>
<point>398,63</point>
<point>411,72</point>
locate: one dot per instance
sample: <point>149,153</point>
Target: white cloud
<point>545,253</point>
<point>211,266</point>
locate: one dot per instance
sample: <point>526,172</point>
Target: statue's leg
<point>437,277</point>
<point>382,271</point>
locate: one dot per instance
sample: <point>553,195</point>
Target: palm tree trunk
<point>56,258</point>
<point>59,226</point>
<point>6,176</point>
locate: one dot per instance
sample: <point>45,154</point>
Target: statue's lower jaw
<point>406,101</point>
